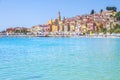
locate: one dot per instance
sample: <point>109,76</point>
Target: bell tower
<point>59,16</point>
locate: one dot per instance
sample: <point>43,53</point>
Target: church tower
<point>59,17</point>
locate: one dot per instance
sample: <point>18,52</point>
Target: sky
<point>27,13</point>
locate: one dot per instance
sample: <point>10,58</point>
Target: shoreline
<point>64,36</point>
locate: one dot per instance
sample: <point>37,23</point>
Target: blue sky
<point>33,12</point>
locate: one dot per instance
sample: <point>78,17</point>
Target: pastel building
<point>66,27</point>
<point>10,31</point>
<point>61,26</point>
<point>37,29</point>
<point>72,27</point>
<point>54,24</point>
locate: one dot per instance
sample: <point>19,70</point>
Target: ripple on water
<point>59,59</point>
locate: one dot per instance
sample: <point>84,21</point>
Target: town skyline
<point>30,16</point>
<point>105,22</point>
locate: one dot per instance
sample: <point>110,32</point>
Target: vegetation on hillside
<point>117,16</point>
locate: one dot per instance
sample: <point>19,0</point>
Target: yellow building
<point>72,28</point>
<point>55,23</point>
<point>84,28</point>
<point>54,28</point>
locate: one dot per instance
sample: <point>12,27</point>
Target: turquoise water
<point>59,59</point>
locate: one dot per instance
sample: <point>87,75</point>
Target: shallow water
<point>59,59</point>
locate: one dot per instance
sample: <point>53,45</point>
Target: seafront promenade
<point>67,35</point>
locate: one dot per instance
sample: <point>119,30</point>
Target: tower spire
<point>59,16</point>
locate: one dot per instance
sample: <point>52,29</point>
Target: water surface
<point>59,59</point>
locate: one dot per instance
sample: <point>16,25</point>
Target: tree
<point>116,29</point>
<point>111,8</point>
<point>117,16</point>
<point>104,30</point>
<point>117,26</point>
<point>111,31</point>
<point>92,12</point>
<point>17,31</point>
<point>3,31</point>
<point>24,31</point>
<point>101,10</point>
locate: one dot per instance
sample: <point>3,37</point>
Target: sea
<point>51,58</point>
